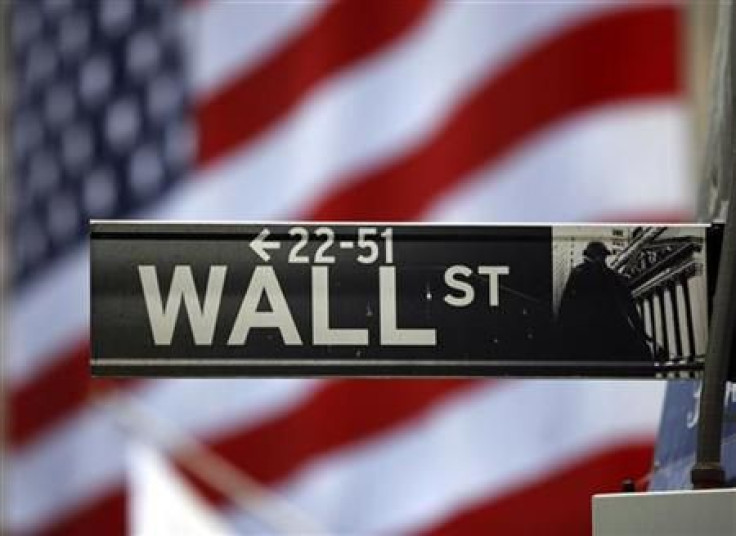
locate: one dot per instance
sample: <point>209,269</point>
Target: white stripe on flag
<point>48,316</point>
<point>225,39</point>
<point>621,159</point>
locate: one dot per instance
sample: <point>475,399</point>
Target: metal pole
<point>708,471</point>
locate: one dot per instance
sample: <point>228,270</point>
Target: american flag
<point>411,110</point>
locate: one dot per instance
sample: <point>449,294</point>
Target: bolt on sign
<point>380,299</point>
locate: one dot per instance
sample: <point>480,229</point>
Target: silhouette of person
<point>598,318</point>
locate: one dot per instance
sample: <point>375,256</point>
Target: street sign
<point>380,299</point>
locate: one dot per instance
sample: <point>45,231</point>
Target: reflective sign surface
<point>298,299</point>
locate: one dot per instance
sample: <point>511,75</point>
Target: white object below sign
<point>666,513</point>
<point>161,501</point>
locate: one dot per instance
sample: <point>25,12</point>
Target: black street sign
<point>377,299</point>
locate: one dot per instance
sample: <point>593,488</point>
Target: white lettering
<point>391,334</point>
<point>202,319</point>
<point>730,393</point>
<point>493,272</point>
<point>264,282</point>
<point>452,280</point>
<point>693,416</point>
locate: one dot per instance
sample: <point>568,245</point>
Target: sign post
<point>708,471</point>
<point>369,299</point>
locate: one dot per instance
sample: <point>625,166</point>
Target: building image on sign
<point>663,304</point>
<point>665,269</point>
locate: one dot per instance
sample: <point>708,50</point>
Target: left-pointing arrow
<point>260,246</point>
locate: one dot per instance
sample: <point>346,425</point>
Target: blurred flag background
<point>412,110</point>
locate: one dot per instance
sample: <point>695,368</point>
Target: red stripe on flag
<point>53,394</point>
<point>625,55</point>
<point>107,514</point>
<point>558,504</point>
<point>345,34</point>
